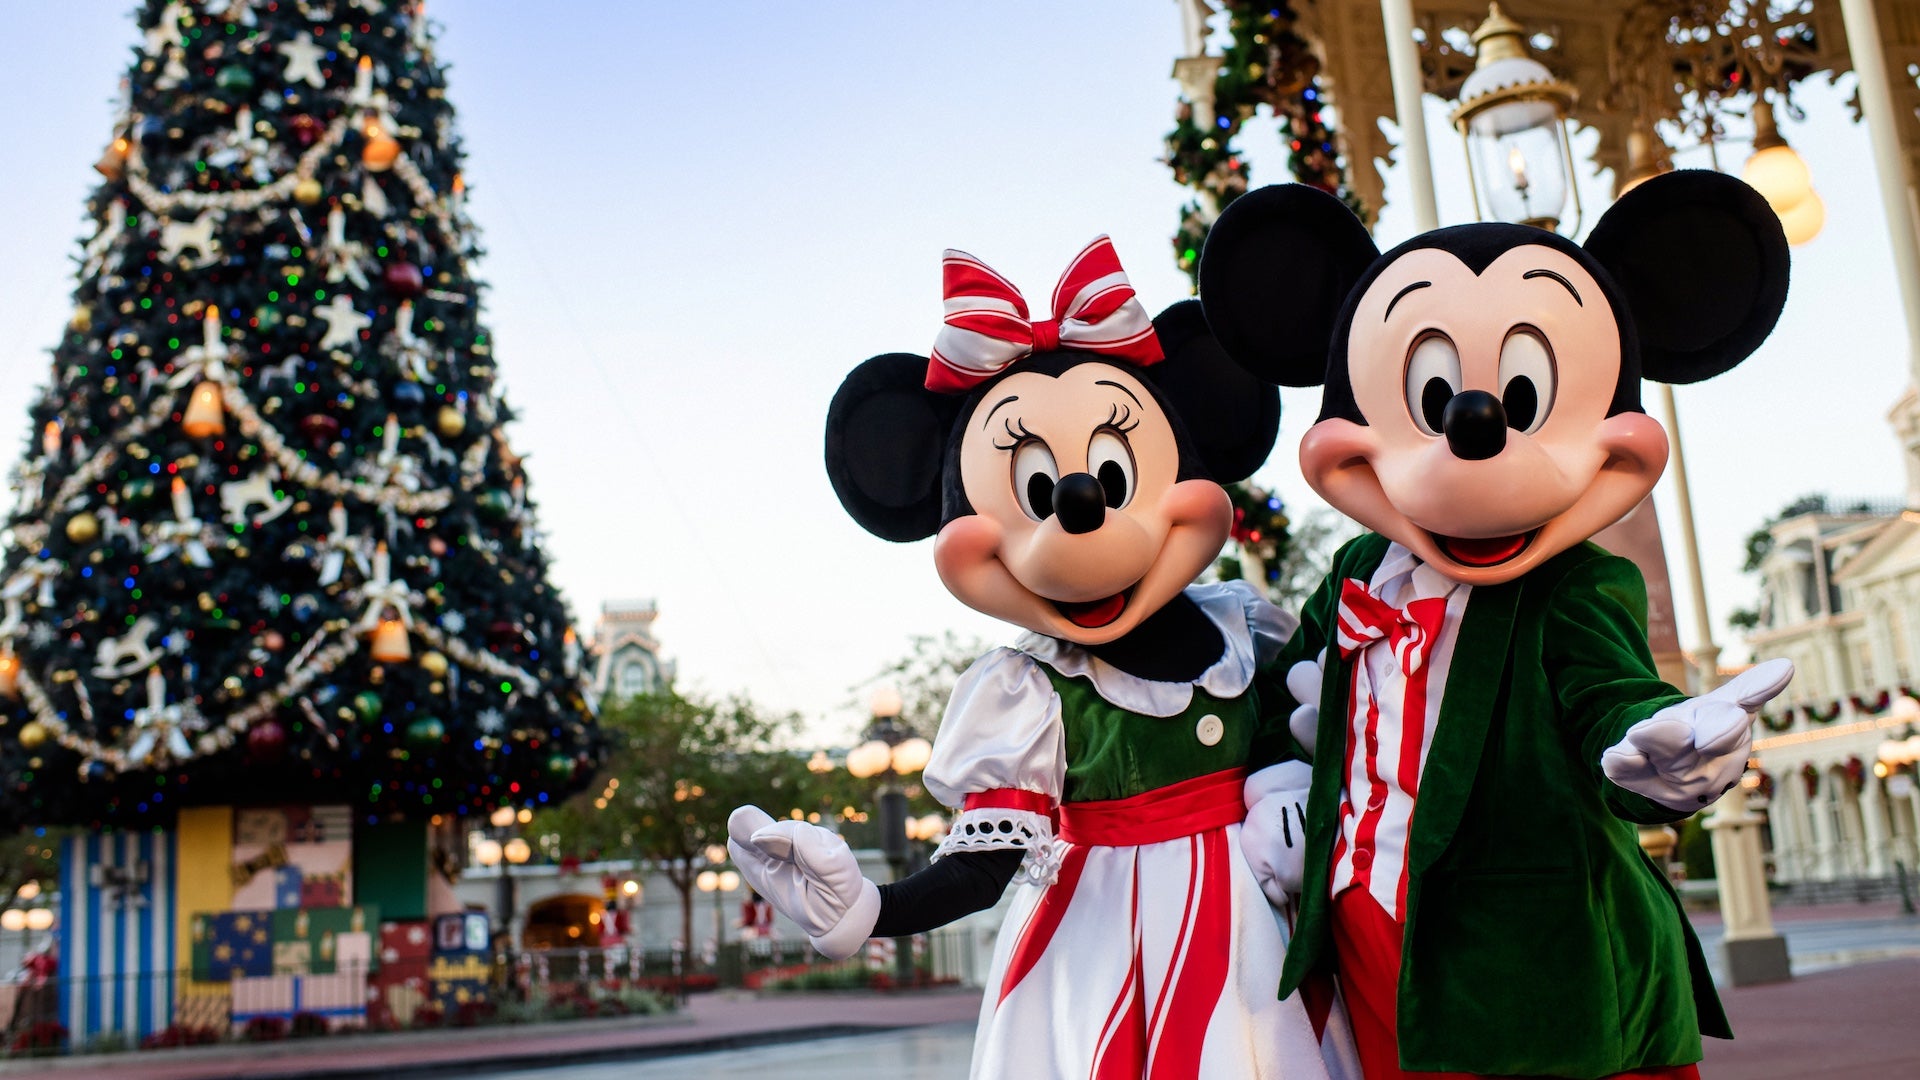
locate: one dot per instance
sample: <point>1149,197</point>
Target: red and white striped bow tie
<point>1365,618</point>
<point>987,326</point>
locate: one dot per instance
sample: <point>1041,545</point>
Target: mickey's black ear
<point>1702,263</point>
<point>1275,274</point>
<point>1231,416</point>
<point>886,434</point>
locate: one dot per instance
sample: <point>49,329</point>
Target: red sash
<point>1187,808</point>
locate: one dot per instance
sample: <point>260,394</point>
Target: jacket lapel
<point>1330,746</point>
<point>1473,682</point>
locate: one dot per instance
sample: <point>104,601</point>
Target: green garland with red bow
<point>1265,63</point>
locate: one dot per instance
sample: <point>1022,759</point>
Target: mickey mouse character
<point>1474,680</point>
<point>1071,471</point>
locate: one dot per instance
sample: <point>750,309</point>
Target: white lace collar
<point>1229,677</point>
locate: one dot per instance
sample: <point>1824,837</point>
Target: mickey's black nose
<point>1475,425</point>
<point>1080,501</point>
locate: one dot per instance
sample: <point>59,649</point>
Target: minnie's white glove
<point>809,875</point>
<point>1303,682</point>
<point>1687,755</point>
<point>1273,839</point>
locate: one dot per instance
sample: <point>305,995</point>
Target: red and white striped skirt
<point>1156,960</point>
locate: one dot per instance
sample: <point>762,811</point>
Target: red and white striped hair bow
<point>987,326</point>
<point>1364,618</point>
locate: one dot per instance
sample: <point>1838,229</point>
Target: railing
<point>76,1014</point>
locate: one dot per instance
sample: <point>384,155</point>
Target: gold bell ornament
<point>205,416</point>
<point>390,645</point>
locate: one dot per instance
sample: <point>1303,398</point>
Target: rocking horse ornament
<point>1070,470</point>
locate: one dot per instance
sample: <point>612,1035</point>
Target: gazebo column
<point>1409,88</point>
<point>1896,187</point>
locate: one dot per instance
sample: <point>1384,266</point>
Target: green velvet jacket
<point>1540,940</point>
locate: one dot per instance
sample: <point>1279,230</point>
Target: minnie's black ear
<point>1702,263</point>
<point>1275,275</point>
<point>886,434</point>
<point>1231,416</point>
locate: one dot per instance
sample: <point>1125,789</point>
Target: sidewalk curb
<point>288,1050</point>
<point>597,1055</point>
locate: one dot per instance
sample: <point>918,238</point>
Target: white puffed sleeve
<point>1001,748</point>
<point>1270,626</point>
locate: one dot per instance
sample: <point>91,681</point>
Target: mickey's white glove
<point>809,875</point>
<point>1303,682</point>
<point>1273,839</point>
<point>1687,755</point>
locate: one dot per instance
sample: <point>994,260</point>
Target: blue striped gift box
<point>117,931</point>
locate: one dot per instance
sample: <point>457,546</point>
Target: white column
<point>1737,863</point>
<point>1826,842</point>
<point>1873,807</point>
<point>1409,89</point>
<point>1896,187</point>
<point>1788,816</point>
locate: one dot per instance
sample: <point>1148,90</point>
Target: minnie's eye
<point>1110,460</point>
<point>1526,379</point>
<point>1033,475</point>
<point>1433,377</point>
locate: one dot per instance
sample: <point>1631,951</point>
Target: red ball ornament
<point>403,279</point>
<point>320,428</point>
<point>266,742</point>
<point>273,641</point>
<point>437,546</point>
<point>306,129</point>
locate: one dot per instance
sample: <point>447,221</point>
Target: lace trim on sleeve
<point>991,828</point>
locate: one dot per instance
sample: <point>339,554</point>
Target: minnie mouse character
<point>1474,680</point>
<point>1071,471</point>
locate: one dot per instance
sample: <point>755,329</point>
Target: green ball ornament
<point>234,77</point>
<point>426,731</point>
<point>139,491</point>
<point>367,705</point>
<point>495,503</point>
<point>560,766</point>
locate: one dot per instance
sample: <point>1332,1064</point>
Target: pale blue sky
<point>698,217</point>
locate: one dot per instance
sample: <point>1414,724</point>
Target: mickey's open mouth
<point>1094,614</point>
<point>1483,551</point>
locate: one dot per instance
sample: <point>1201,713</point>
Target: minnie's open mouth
<point>1483,551</point>
<point>1093,614</point>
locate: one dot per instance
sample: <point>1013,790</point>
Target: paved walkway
<point>710,1022</point>
<point>1853,1021</point>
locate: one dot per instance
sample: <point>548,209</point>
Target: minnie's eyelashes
<point>1015,435</point>
<point>1120,418</point>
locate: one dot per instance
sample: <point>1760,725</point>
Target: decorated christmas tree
<point>271,542</point>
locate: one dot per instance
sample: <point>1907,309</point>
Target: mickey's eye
<point>1433,377</point>
<point>1110,460</point>
<point>1033,475</point>
<point>1526,379</point>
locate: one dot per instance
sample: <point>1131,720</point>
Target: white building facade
<point>1840,597</point>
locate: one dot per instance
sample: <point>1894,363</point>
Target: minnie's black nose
<point>1080,501</point>
<point>1475,425</point>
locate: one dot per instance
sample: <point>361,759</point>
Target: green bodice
<point>1115,753</point>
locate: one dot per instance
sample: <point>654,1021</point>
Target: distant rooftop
<point>1837,506</point>
<point>629,610</point>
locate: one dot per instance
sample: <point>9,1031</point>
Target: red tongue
<point>1094,614</point>
<point>1484,552</point>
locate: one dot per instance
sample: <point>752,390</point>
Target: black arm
<point>960,883</point>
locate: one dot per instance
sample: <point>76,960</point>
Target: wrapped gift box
<point>230,944</point>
